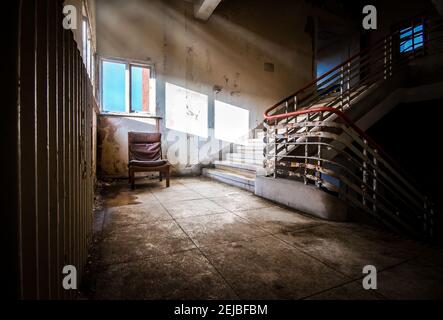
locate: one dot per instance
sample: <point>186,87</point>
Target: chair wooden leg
<point>132,179</point>
<point>129,176</point>
<point>160,176</point>
<point>167,178</point>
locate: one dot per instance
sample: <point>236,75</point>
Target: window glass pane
<point>84,39</point>
<point>88,52</point>
<point>114,86</point>
<point>411,41</point>
<point>140,89</point>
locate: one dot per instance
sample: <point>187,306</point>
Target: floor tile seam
<point>325,263</point>
<point>206,258</point>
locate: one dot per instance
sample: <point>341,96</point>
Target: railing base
<point>305,198</point>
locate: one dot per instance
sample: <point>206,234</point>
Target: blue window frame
<point>411,38</point>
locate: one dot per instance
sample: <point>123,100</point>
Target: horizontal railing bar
<point>357,139</point>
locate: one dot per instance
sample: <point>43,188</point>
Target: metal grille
<point>55,152</point>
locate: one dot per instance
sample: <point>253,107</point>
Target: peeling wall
<point>249,54</point>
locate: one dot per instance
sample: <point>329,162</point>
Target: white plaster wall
<point>227,52</point>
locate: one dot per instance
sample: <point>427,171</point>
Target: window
<point>88,50</point>
<point>127,87</point>
<point>411,38</point>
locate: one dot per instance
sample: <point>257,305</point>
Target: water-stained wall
<point>249,55</point>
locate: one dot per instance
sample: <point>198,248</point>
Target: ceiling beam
<point>204,8</point>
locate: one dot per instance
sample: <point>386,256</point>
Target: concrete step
<point>250,155</point>
<point>255,140</point>
<point>254,145</point>
<point>238,178</point>
<point>225,164</point>
<point>246,155</point>
<point>237,157</point>
<point>257,149</point>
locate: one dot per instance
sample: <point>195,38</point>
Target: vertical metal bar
<point>42,152</point>
<point>27,156</point>
<point>78,62</point>
<point>385,60</point>
<point>275,148</point>
<point>53,150</point>
<point>10,142</point>
<point>348,85</point>
<point>67,148</point>
<point>61,98</point>
<point>305,179</point>
<point>319,155</point>
<point>70,122</point>
<point>390,57</point>
<point>374,183</point>
<point>287,130</point>
<point>342,80</point>
<point>365,173</point>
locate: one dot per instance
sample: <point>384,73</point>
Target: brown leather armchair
<point>145,155</point>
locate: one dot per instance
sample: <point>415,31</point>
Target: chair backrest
<point>144,146</point>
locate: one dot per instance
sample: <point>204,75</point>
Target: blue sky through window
<point>136,83</point>
<point>410,43</point>
<point>114,86</point>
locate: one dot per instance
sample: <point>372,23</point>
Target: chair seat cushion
<point>147,164</point>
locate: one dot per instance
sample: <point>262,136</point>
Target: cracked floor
<point>201,239</point>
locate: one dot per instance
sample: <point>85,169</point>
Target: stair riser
<point>248,155</point>
<point>246,185</point>
<point>247,149</point>
<point>228,167</point>
<point>229,157</point>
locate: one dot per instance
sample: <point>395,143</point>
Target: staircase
<point>313,146</point>
<point>240,167</point>
<point>312,139</point>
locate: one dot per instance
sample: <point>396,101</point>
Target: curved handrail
<point>343,116</point>
<point>352,125</point>
<point>323,76</point>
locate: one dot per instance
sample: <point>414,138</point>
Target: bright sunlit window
<point>127,87</point>
<point>88,49</point>
<point>411,38</point>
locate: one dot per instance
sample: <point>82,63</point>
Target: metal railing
<point>309,137</point>
<point>342,85</point>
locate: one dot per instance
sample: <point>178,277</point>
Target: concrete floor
<point>201,239</point>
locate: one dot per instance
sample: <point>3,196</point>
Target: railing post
<point>305,179</point>
<point>341,88</point>
<point>348,85</point>
<point>365,172</point>
<point>387,58</point>
<point>275,148</point>
<point>319,155</point>
<point>374,183</point>
<point>287,131</point>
